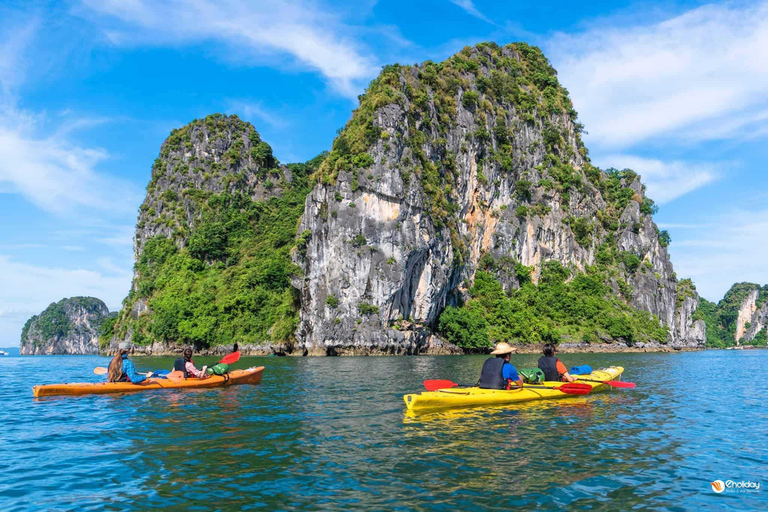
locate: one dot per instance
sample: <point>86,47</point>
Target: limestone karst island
<point>576,300</point>
<point>456,208</point>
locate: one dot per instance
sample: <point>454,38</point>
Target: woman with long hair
<point>121,368</point>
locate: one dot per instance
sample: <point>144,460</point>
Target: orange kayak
<point>249,376</point>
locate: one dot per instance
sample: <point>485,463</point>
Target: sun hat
<point>502,348</point>
<point>125,345</point>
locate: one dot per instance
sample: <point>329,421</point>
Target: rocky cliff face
<point>70,326</point>
<point>444,169</point>
<point>212,243</point>
<point>215,155</point>
<point>741,317</point>
<point>445,164</point>
<point>752,315</point>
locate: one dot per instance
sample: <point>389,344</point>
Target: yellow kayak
<point>470,397</point>
<point>249,376</point>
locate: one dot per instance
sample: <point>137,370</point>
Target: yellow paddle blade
<point>100,370</point>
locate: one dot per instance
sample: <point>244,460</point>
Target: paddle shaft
<point>612,383</point>
<point>571,388</point>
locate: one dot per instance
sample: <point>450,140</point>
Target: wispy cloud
<point>13,43</point>
<point>259,31</point>
<point>699,76</point>
<point>248,109</point>
<point>677,225</point>
<point>729,250</point>
<point>37,157</point>
<point>469,7</point>
<point>110,234</point>
<point>665,181</point>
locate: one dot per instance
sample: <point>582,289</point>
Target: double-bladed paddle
<point>571,388</point>
<point>612,383</point>
<point>230,358</point>
<point>100,370</point>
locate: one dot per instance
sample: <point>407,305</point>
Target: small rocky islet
<point>70,326</point>
<point>457,207</point>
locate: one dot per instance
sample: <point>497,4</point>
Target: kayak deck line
<point>474,396</point>
<point>236,377</point>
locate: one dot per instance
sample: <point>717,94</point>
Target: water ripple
<point>332,434</point>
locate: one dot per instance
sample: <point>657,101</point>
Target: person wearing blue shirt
<point>121,368</point>
<point>498,372</point>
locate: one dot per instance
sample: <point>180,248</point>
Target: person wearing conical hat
<point>497,372</point>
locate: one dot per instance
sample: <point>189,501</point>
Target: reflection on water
<point>333,434</point>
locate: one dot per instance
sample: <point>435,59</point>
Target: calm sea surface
<point>332,434</point>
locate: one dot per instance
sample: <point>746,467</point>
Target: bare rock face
<point>70,326</point>
<point>655,285</point>
<point>208,156</point>
<point>212,165</point>
<point>445,164</point>
<point>752,315</point>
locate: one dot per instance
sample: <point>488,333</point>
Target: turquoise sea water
<point>332,434</point>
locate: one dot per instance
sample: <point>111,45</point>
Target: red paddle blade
<point>434,385</point>
<point>619,384</point>
<point>574,388</point>
<point>230,358</point>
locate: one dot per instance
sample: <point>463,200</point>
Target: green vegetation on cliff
<point>231,281</point>
<point>227,215</point>
<point>55,322</point>
<point>721,317</point>
<point>521,80</point>
<point>581,309</point>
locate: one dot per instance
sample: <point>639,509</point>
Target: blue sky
<point>89,89</point>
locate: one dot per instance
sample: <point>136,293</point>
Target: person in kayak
<point>121,368</point>
<point>497,372</point>
<point>553,369</point>
<point>187,366</point>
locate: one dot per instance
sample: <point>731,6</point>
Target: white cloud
<point>731,249</point>
<point>255,109</point>
<point>257,30</point>
<point>469,7</point>
<point>116,236</point>
<point>53,172</point>
<point>26,290</point>
<point>700,76</point>
<point>40,161</point>
<point>12,63</point>
<point>676,225</point>
<point>664,181</point>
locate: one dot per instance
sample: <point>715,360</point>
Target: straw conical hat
<point>502,348</point>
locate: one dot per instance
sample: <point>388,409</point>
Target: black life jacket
<point>181,366</point>
<point>491,376</point>
<point>548,364</point>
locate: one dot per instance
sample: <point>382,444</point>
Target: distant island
<point>456,208</point>
<point>70,326</point>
